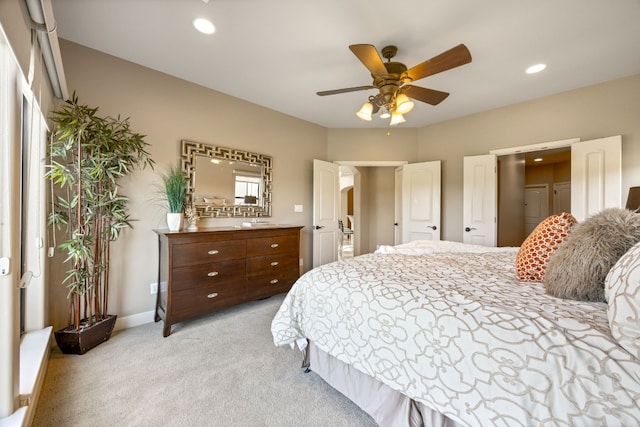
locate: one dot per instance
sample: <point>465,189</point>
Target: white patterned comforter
<point>459,333</point>
<point>426,247</point>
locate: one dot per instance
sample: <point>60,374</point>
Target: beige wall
<point>372,144</point>
<point>381,207</point>
<point>166,110</point>
<point>611,108</point>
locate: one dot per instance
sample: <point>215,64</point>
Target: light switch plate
<point>298,208</point>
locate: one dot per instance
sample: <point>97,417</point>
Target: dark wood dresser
<point>203,271</point>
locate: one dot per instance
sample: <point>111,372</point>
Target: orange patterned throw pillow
<point>535,251</point>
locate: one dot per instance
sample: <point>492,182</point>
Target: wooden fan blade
<point>452,58</point>
<point>430,96</point>
<point>369,56</point>
<point>345,90</point>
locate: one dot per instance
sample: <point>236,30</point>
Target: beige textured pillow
<point>578,268</point>
<point>622,291</point>
<point>535,251</point>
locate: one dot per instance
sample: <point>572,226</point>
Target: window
<point>247,189</point>
<point>32,218</point>
<point>22,230</point>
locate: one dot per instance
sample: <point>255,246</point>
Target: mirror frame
<point>190,151</point>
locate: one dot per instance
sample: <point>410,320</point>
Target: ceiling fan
<point>392,79</point>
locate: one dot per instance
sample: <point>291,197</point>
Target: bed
<point>448,334</point>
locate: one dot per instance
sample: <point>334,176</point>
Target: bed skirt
<point>388,407</point>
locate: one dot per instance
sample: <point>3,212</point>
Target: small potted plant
<point>175,189</point>
<point>89,154</point>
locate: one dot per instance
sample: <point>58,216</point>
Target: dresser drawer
<point>265,265</point>
<point>207,252</point>
<point>208,274</point>
<point>194,302</point>
<point>272,245</point>
<point>271,284</point>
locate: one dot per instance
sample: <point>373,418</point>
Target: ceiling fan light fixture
<point>394,97</point>
<point>403,104</point>
<point>365,112</point>
<point>396,118</point>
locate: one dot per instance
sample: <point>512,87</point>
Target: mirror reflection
<point>225,182</point>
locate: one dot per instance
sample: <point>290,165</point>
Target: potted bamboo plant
<point>89,154</point>
<point>175,188</point>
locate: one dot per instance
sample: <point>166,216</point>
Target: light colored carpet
<point>218,370</point>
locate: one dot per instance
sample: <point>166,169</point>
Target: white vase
<point>174,221</point>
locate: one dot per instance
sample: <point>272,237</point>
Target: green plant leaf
<point>89,154</point>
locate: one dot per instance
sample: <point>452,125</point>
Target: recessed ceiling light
<point>536,68</point>
<point>537,159</point>
<point>204,26</point>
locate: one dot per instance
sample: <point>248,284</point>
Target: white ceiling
<point>279,53</point>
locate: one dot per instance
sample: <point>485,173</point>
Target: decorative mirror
<point>225,182</point>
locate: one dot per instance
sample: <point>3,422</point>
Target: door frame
<point>552,145</point>
<point>564,143</point>
<point>356,188</point>
<point>577,211</point>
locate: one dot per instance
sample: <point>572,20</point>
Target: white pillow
<point>622,292</point>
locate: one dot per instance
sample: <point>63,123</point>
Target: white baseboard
<point>134,320</point>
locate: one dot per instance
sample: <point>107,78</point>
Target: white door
<point>561,197</point>
<point>479,200</point>
<point>326,212</point>
<point>397,225</point>
<point>420,211</point>
<point>536,206</point>
<point>596,176</point>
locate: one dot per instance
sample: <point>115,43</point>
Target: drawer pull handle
<point>274,281</point>
<point>212,295</point>
<point>274,263</point>
<point>274,245</point>
<point>213,252</point>
<point>212,273</point>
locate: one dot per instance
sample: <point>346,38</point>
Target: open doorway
<point>367,203</point>
<point>350,210</point>
<point>531,186</point>
<point>347,218</point>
